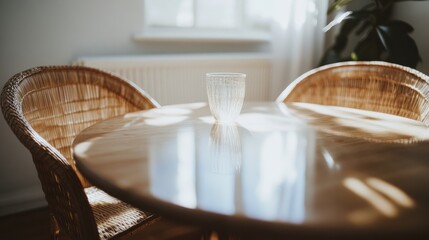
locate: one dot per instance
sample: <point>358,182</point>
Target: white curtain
<point>297,40</point>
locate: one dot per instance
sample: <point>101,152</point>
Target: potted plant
<point>375,35</point>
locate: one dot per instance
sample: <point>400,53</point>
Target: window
<point>241,20</point>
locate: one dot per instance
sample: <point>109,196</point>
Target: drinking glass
<point>225,93</point>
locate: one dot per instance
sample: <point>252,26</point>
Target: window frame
<point>197,34</point>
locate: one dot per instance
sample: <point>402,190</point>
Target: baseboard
<point>22,200</point>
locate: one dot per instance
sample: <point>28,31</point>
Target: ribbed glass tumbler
<point>225,93</point>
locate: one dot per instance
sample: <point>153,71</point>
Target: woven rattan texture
<point>112,215</point>
<point>46,107</point>
<point>375,86</point>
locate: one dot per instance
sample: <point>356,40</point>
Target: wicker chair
<point>46,107</point>
<point>375,86</point>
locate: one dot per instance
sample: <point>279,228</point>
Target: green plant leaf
<point>400,26</point>
<point>400,47</point>
<point>341,39</point>
<point>334,53</point>
<point>379,38</point>
<point>330,56</point>
<point>364,26</point>
<point>368,49</point>
<point>337,4</point>
<point>349,15</point>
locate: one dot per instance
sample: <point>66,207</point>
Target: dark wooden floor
<point>34,225</point>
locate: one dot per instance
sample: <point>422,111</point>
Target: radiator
<point>172,79</point>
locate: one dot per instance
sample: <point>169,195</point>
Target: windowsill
<point>184,35</point>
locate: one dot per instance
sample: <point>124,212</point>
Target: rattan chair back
<point>46,107</point>
<point>375,86</point>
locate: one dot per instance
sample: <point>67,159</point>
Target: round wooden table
<point>297,170</point>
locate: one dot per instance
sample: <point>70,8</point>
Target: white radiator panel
<point>172,79</point>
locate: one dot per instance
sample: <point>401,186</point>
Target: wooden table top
<point>299,169</point>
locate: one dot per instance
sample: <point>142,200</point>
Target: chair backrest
<point>46,107</point>
<point>375,86</point>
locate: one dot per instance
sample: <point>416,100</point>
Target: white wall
<point>54,32</point>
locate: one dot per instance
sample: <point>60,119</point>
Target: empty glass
<point>225,93</point>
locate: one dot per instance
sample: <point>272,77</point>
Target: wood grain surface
<point>297,170</point>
